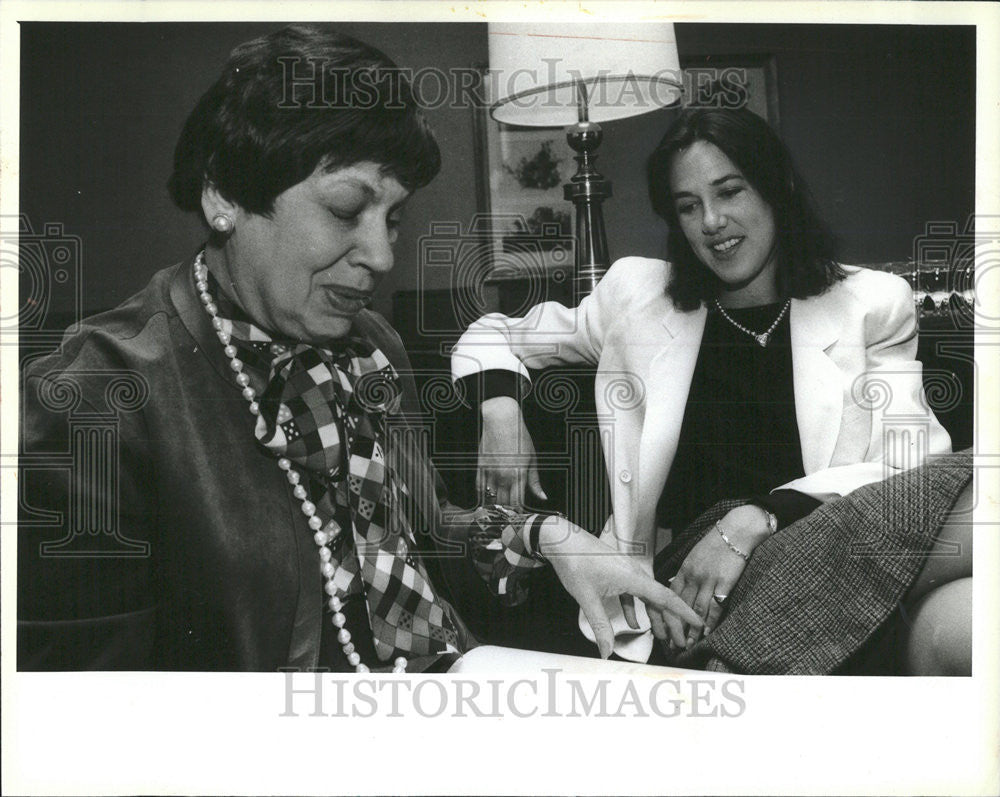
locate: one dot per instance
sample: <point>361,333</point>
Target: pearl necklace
<point>762,338</point>
<point>323,536</point>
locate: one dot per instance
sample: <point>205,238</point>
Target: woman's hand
<point>506,455</point>
<point>591,571</point>
<point>712,569</point>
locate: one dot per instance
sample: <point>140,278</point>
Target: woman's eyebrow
<point>363,185</point>
<point>718,181</point>
<point>726,178</point>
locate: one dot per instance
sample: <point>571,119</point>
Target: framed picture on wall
<point>742,79</point>
<point>520,175</point>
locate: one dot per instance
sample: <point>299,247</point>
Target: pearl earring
<point>222,223</point>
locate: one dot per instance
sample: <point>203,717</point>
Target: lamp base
<point>587,189</point>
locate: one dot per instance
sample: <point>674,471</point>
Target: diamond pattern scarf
<point>324,409</point>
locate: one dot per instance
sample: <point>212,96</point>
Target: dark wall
<point>880,120</point>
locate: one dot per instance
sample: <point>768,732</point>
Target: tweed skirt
<point>824,595</point>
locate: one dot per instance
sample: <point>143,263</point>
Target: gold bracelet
<point>733,548</point>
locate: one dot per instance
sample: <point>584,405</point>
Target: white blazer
<point>859,403</point>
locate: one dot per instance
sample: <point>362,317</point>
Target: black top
<point>739,437</point>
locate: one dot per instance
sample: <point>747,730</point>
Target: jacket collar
<point>819,404</point>
<point>303,652</point>
<point>670,368</point>
<point>197,322</point>
<point>812,323</point>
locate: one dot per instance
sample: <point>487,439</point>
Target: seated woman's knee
<point>940,636</point>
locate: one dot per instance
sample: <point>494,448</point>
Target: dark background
<point>879,118</point>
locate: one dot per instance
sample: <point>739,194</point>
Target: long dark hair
<point>806,265</point>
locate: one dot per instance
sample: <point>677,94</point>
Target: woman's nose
<point>374,250</point>
<point>712,220</point>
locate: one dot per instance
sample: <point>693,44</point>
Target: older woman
<point>755,357</point>
<point>264,506</point>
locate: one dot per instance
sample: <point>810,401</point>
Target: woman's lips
<point>725,249</point>
<point>346,301</point>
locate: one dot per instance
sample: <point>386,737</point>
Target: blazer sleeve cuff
<point>476,388</point>
<point>786,505</point>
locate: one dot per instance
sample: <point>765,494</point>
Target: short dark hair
<point>262,128</point>
<point>806,265</point>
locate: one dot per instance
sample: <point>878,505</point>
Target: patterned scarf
<point>324,409</point>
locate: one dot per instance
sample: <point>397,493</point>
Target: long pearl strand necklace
<point>762,338</point>
<point>323,536</point>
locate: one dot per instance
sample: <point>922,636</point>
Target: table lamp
<point>577,76</point>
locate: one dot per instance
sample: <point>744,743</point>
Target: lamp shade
<point>535,70</point>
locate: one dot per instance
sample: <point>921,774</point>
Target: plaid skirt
<point>823,596</point>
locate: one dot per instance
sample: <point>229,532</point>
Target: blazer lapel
<point>817,380</point>
<point>670,374</point>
